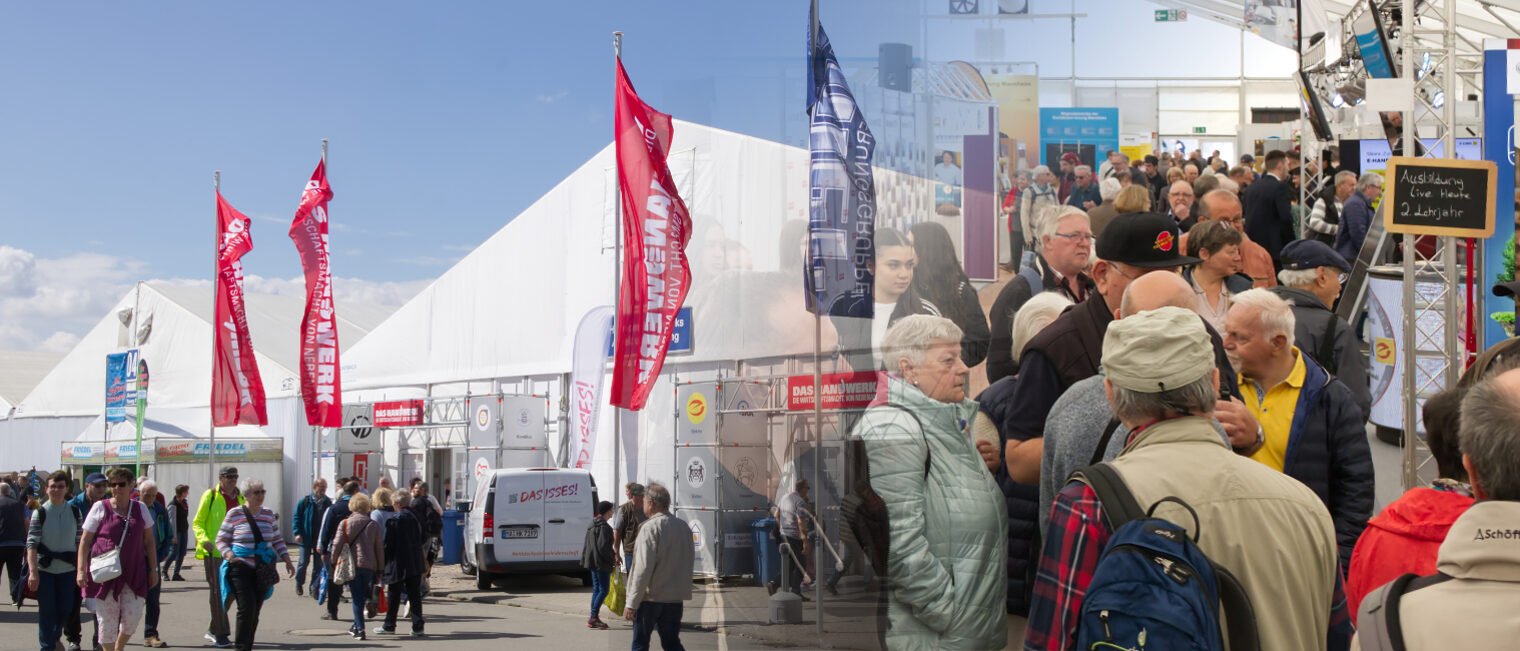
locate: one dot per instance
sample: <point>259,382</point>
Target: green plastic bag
<point>616,595</point>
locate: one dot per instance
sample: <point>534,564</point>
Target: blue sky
<point>446,120</point>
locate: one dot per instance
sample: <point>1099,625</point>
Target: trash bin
<point>453,536</point>
<point>767,554</point>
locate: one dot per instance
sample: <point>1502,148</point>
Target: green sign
<point>1200,129</point>
<point>1171,15</point>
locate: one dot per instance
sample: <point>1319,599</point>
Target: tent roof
<point>23,370</point>
<point>178,349</point>
<point>1476,19</point>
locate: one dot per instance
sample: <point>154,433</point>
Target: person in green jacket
<point>947,520</point>
<point>213,507</point>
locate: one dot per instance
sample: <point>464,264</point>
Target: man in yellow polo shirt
<point>1311,425</point>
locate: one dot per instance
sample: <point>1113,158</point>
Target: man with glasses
<point>1312,277</point>
<point>1064,246</point>
<point>209,513</point>
<point>1179,199</point>
<point>1084,193</point>
<point>1357,216</point>
<point>1255,262</point>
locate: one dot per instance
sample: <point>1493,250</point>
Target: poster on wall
<point>358,433</point>
<point>1499,147</point>
<point>1018,102</point>
<point>1090,133</point>
<point>1274,20</point>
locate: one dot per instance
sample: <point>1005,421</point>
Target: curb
<point>502,600</point>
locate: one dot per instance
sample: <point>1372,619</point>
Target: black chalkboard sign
<point>1430,196</point>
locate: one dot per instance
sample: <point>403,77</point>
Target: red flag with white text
<point>656,228</point>
<point>321,388</point>
<point>237,392</point>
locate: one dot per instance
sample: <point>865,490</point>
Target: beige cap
<point>1157,350</point>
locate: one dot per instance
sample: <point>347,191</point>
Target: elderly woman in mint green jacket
<point>946,519</point>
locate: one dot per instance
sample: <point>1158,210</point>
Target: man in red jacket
<point>1405,537</point>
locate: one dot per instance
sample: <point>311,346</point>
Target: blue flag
<point>842,206</point>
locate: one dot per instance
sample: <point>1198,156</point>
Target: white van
<point>529,521</point>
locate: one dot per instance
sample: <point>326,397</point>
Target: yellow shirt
<point>1274,410</point>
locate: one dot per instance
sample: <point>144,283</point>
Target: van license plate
<point>519,532</point>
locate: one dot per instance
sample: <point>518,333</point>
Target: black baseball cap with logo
<point>1143,239</point>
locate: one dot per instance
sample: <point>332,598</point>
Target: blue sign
<point>680,333</point>
<point>1499,147</point>
<point>121,372</point>
<point>1090,133</point>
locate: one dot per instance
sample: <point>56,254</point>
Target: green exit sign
<point>1200,129</point>
<point>1171,15</point>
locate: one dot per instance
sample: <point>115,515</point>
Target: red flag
<point>237,392</point>
<point>656,227</point>
<point>320,386</point>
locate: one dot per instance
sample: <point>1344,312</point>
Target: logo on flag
<point>656,228</point>
<point>842,205</point>
<point>320,385</point>
<point>237,392</point>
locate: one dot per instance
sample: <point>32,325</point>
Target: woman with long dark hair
<point>894,295</point>
<point>939,279</point>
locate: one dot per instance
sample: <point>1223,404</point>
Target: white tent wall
<point>37,442</point>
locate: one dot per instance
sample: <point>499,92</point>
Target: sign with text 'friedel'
<point>840,391</point>
<point>1427,196</point>
<point>400,413</point>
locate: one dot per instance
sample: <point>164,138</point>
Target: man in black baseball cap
<point>1070,348</point>
<point>1311,278</point>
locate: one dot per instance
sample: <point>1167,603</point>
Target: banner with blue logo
<point>120,369</point>
<point>842,190</point>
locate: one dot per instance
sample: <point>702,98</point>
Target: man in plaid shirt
<point>1270,531</point>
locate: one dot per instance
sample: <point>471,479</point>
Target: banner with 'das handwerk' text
<point>237,391</point>
<point>321,388</point>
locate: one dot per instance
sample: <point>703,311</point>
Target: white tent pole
<point>216,277</point>
<point>617,273</point>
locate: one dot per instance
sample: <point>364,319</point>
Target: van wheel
<point>466,567</point>
<point>483,580</point>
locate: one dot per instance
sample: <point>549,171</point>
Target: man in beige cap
<point>1268,530</point>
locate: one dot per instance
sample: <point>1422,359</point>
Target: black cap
<point>228,471</point>
<point>1247,159</point>
<point>1511,288</point>
<point>1311,254</point>
<point>1143,239</point>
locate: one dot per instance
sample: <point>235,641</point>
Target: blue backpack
<point>1152,587</point>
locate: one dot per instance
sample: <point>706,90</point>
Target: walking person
<point>163,541</point>
<point>13,529</point>
<point>596,557</point>
<point>384,512</point>
<point>430,515</point>
<point>625,526</point>
<point>661,577</point>
<point>179,514</point>
<point>52,543</point>
<point>304,527</point>
<point>404,564</point>
<point>95,489</point>
<point>123,525</point>
<point>249,537</point>
<point>209,513</point>
<point>331,520</point>
<point>360,534</point>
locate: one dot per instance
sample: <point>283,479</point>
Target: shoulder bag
<point>107,566</point>
<point>264,575</point>
<point>343,567</point>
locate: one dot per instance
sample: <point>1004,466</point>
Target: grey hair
<point>1080,168</point>
<point>146,484</point>
<point>657,493</point>
<point>911,337</point>
<point>401,499</point>
<point>1035,314</point>
<point>247,484</point>
<point>1297,277</point>
<point>1109,188</point>
<point>1040,169</point>
<point>1490,437</point>
<point>1195,398</point>
<point>1343,175</point>
<point>1229,185</point>
<point>1048,218</point>
<point>1275,314</point>
<point>1368,180</point>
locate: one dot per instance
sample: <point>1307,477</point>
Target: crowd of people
<point>109,548</point>
<point>1164,349</point>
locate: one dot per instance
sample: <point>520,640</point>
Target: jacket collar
<point>907,396</point>
<point>1300,297</point>
<point>1187,429</point>
<point>1483,544</point>
<point>1091,319</point>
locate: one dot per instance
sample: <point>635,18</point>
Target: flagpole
<point>216,277</point>
<point>817,358</point>
<point>617,270</point>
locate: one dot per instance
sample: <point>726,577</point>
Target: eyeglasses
<point>1341,279</point>
<point>1079,237</point>
<point>257,492</point>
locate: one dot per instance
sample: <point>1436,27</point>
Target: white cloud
<point>551,98</point>
<point>429,261</point>
<point>48,304</point>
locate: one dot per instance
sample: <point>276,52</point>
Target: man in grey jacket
<point>1311,278</point>
<point>660,581</point>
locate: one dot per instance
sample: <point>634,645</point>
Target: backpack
<point>1380,628</point>
<point>1152,587</point>
<point>871,525</point>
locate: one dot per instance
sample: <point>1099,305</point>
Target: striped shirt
<point>236,530</point>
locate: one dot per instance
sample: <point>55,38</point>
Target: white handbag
<point>107,566</point>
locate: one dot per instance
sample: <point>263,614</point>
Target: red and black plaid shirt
<point>1073,544</point>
